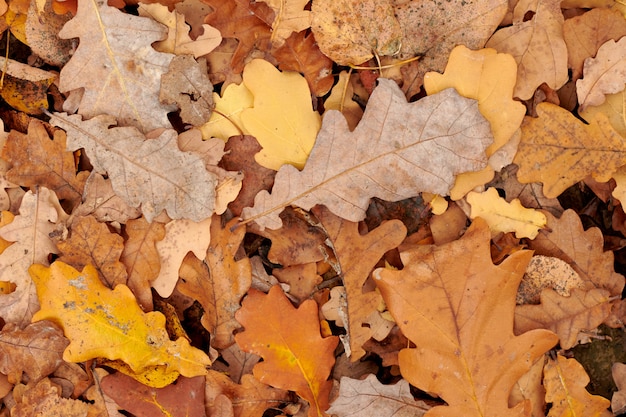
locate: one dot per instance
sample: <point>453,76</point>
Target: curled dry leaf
<point>398,150</point>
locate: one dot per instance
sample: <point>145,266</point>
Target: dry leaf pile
<point>311,208</point>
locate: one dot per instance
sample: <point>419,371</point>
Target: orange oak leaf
<point>398,150</point>
<point>559,150</point>
<point>565,381</point>
<point>36,351</point>
<point>91,242</point>
<point>38,160</point>
<point>219,281</point>
<point>141,258</point>
<point>183,399</point>
<point>302,280</point>
<point>295,356</point>
<point>457,307</point>
<point>357,255</point>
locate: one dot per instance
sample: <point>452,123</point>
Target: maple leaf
<point>457,307</point>
<point>37,160</point>
<point>536,44</point>
<point>565,381</point>
<point>101,322</point>
<point>603,74</point>
<point>397,150</point>
<point>550,149</point>
<point>120,78</point>
<point>152,173</point>
<point>369,397</point>
<point>295,356</point>
<point>218,282</point>
<point>357,255</point>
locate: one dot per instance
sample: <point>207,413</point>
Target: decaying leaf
<point>397,150</point>
<point>295,356</point>
<point>547,272</point>
<point>44,397</point>
<point>106,323</point>
<point>25,88</point>
<point>457,307</point>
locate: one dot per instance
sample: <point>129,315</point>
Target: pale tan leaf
<point>602,75</point>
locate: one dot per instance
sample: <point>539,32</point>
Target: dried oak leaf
<point>370,398</point>
<point>39,214</point>
<point>120,78</point>
<point>36,159</point>
<point>218,281</point>
<point>36,351</point>
<point>618,401</point>
<point>565,315</point>
<point>152,173</point>
<point>295,356</point>
<point>100,200</point>
<point>614,107</point>
<point>357,255</point>
<point>585,34</point>
<point>301,53</point>
<point>105,323</point>
<point>457,307</point>
<point>185,398</point>
<point>225,121</point>
<point>249,22</point>
<point>235,363</point>
<point>565,381</point>
<point>91,242</point>
<point>536,44</point>
<point>398,150</point>
<point>290,17</point>
<point>602,75</point>
<point>559,150</point>
<point>44,399</point>
<point>25,88</point>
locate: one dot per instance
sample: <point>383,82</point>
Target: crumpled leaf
<point>36,351</point>
<point>218,281</point>
<point>370,398</point>
<point>357,255</point>
<point>295,356</point>
<point>457,307</point>
<point>290,17</point>
<point>183,399</point>
<point>505,217</point>
<point>282,118</point>
<point>602,75</point>
<point>37,160</point>
<point>559,150</point>
<point>152,173</point>
<point>565,381</point>
<point>536,44</point>
<point>106,323</point>
<point>397,150</point>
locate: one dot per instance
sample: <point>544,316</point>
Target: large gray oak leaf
<point>398,150</point>
<point>116,65</point>
<point>152,173</point>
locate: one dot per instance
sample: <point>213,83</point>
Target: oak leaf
<point>25,88</point>
<point>559,150</point>
<point>235,363</point>
<point>218,281</point>
<point>457,307</point>
<point>547,272</point>
<point>370,398</point>
<point>225,121</point>
<point>152,173</point>
<point>602,75</point>
<point>340,99</point>
<point>183,399</point>
<point>357,255</point>
<point>614,107</point>
<point>618,400</point>
<point>37,159</point>
<point>565,381</point>
<point>290,17</point>
<point>536,44</point>
<point>100,200</point>
<point>91,242</point>
<point>398,150</point>
<point>44,398</point>
<point>36,351</point>
<point>106,323</point>
<point>119,78</point>
<point>566,316</point>
<point>295,356</point>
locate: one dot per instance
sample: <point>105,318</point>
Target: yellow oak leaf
<point>505,217</point>
<point>614,107</point>
<point>105,323</point>
<point>225,120</point>
<point>282,119</point>
<point>559,150</point>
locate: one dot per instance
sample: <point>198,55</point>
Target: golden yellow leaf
<point>25,88</point>
<point>225,121</point>
<point>559,150</point>
<point>505,217</point>
<point>340,98</point>
<point>614,107</point>
<point>105,323</point>
<point>282,118</point>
